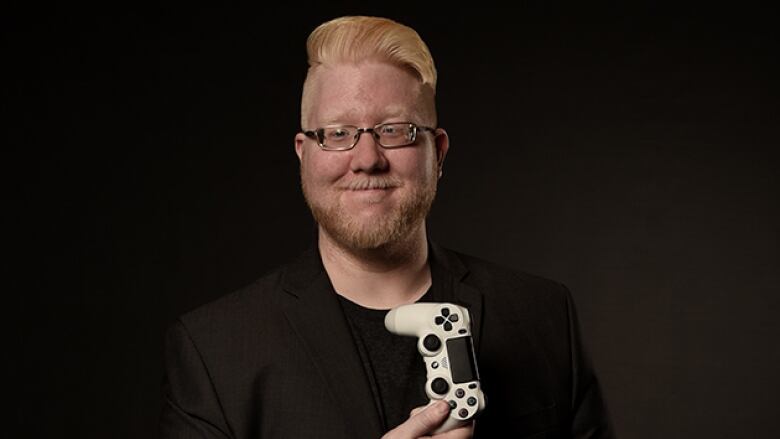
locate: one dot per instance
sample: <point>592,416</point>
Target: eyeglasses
<point>387,135</point>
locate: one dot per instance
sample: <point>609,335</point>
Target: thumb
<point>423,422</point>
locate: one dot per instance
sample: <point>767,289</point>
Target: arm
<point>191,408</point>
<point>589,413</point>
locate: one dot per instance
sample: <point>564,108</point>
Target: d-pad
<point>446,319</point>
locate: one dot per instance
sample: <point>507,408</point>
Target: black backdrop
<point>629,152</point>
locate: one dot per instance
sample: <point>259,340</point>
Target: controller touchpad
<point>462,364</point>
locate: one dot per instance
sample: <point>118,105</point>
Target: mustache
<point>371,183</point>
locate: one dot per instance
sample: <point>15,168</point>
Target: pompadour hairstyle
<point>353,39</point>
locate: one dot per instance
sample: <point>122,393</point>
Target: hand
<point>423,420</point>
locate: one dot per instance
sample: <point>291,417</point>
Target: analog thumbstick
<point>440,386</point>
<point>431,343</point>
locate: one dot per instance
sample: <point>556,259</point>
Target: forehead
<point>364,93</point>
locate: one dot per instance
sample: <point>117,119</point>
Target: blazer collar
<point>300,273</point>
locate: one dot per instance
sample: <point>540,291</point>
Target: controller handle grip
<point>412,319</point>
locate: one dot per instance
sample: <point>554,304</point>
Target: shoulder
<point>250,307</point>
<point>505,286</point>
<point>484,273</point>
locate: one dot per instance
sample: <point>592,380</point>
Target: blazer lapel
<point>450,265</point>
<point>314,312</point>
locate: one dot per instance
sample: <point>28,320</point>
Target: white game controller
<point>444,340</point>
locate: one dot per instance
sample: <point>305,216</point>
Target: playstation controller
<point>444,341</point>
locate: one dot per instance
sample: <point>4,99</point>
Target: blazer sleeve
<point>191,407</point>
<point>590,419</point>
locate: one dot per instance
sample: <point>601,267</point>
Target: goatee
<point>387,230</point>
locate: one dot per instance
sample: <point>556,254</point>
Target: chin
<point>367,236</point>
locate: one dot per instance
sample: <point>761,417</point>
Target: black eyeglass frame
<point>319,135</point>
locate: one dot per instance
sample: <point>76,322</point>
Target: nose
<point>367,155</point>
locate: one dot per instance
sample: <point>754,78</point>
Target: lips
<point>363,191</point>
<point>371,184</point>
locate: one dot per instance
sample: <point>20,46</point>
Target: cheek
<point>316,167</point>
<point>419,166</point>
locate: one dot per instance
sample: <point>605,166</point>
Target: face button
<point>446,319</point>
<point>471,401</point>
<point>460,393</point>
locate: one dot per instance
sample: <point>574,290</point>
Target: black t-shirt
<point>394,367</point>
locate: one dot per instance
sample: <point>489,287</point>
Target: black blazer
<point>276,359</point>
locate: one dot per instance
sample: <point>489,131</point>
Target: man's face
<point>369,196</point>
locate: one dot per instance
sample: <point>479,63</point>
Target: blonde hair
<point>353,39</point>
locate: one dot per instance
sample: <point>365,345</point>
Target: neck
<point>380,278</point>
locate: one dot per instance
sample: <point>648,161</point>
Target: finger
<point>464,432</point>
<point>417,410</point>
<point>422,422</point>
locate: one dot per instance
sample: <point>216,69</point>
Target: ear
<point>442,140</point>
<point>299,139</point>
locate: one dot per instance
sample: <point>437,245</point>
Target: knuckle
<point>424,420</point>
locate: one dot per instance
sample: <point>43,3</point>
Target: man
<point>303,353</point>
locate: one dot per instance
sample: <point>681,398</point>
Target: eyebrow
<point>392,113</point>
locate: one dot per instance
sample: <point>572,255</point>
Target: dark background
<point>629,152</point>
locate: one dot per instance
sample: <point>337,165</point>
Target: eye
<point>387,129</point>
<point>338,133</point>
<point>392,130</point>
